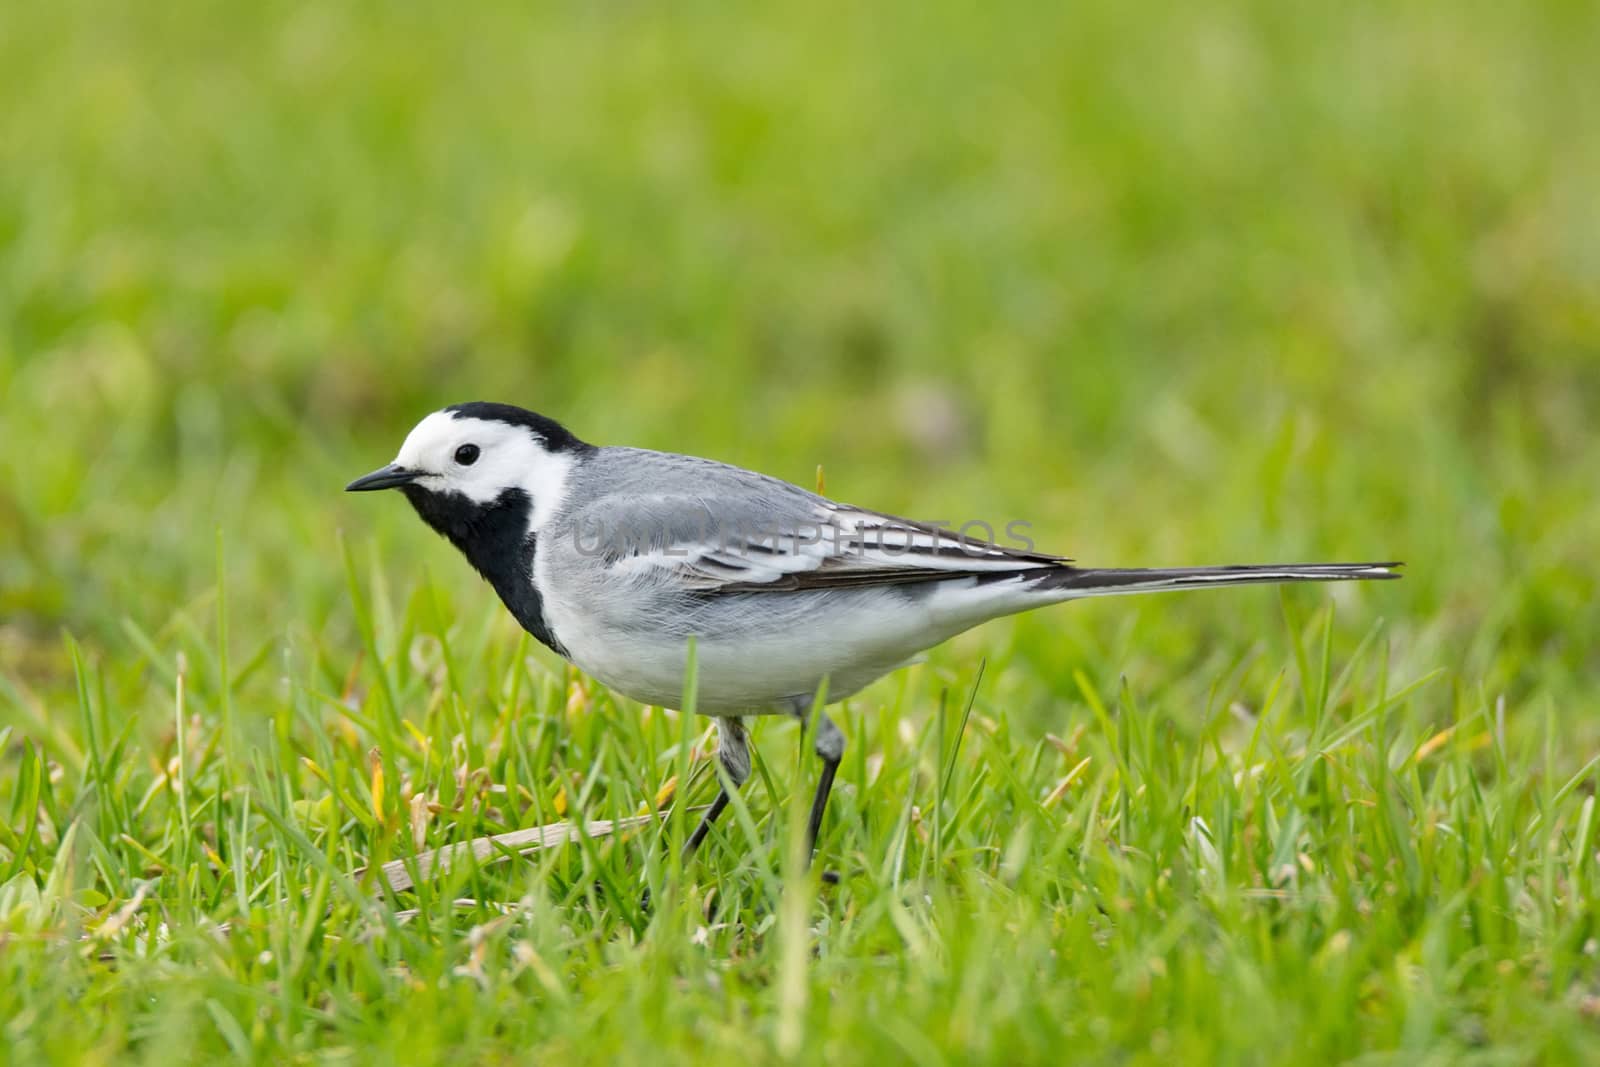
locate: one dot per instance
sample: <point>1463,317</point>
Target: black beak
<point>391,477</point>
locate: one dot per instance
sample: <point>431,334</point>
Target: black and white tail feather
<point>1089,582</point>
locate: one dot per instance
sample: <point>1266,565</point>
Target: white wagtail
<point>616,557</point>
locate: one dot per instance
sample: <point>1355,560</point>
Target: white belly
<point>752,661</point>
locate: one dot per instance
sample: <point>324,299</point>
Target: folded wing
<point>715,546</point>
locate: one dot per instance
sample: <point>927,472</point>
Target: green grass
<point>1227,283</point>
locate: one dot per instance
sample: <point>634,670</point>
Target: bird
<point>618,558</point>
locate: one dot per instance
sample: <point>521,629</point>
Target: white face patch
<point>509,457</point>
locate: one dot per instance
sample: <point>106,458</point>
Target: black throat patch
<point>495,539</point>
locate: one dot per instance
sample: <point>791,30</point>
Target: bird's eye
<point>467,455</point>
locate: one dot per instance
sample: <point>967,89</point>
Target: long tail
<point>1070,582</point>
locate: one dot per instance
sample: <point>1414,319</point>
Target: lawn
<point>1227,283</point>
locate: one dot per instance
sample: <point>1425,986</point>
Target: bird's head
<point>460,465</point>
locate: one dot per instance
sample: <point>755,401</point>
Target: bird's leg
<point>829,744</point>
<point>733,752</point>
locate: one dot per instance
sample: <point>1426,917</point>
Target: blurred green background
<point>1231,282</point>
